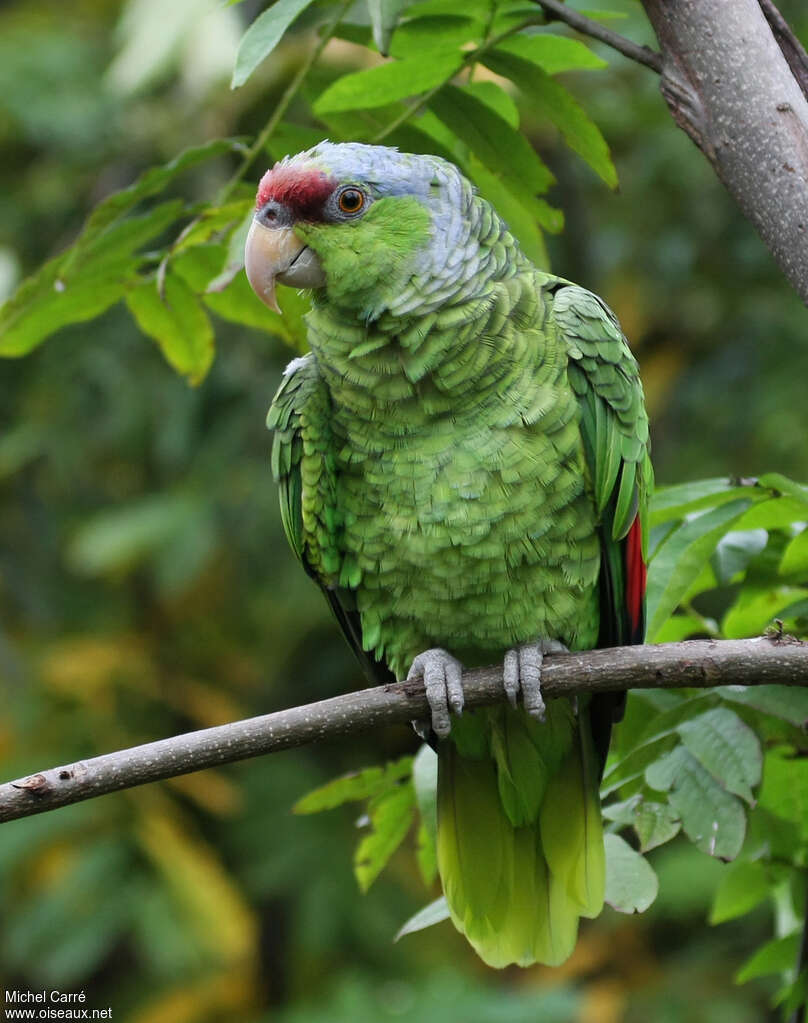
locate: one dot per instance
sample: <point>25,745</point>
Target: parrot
<point>463,468</point>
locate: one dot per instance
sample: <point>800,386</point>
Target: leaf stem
<point>283,103</point>
<point>489,24</point>
<point>588,27</point>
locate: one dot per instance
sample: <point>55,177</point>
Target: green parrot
<point>463,468</point>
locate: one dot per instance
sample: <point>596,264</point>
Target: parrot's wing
<point>614,425</point>
<point>303,468</point>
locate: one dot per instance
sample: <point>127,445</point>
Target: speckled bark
<point>699,663</point>
<point>730,88</point>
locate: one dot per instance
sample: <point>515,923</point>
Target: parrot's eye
<point>351,200</point>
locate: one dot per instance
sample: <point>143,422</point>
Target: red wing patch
<point>303,191</point>
<point>635,579</point>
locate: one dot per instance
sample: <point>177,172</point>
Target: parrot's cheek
<point>278,254</point>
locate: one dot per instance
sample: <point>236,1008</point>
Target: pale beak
<point>275,253</point>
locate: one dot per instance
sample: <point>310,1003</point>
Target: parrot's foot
<point>522,674</point>
<point>442,676</point>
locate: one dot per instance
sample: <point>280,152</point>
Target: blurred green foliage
<point>145,586</point>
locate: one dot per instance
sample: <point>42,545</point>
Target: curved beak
<point>275,253</point>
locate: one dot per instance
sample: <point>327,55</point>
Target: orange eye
<point>351,200</point>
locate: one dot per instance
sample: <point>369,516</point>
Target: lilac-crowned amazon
<point>463,469</point>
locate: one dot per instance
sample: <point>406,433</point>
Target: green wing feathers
<point>520,842</point>
<point>614,425</point>
<point>303,466</point>
<point>605,377</point>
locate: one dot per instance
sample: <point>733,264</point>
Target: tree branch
<point>729,86</point>
<point>699,664</point>
<point>587,26</point>
<point>792,48</point>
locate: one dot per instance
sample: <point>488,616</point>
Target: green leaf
<point>44,305</point>
<point>775,513</point>
<point>712,819</point>
<point>635,763</point>
<point>655,824</point>
<point>384,18</point>
<point>120,538</point>
<point>495,97</point>
<point>234,258</point>
<point>478,9</point>
<point>598,14</point>
<point>54,298</point>
<point>20,445</point>
<point>412,137</point>
<point>215,222</point>
<point>95,271</point>
<point>776,956</point>
<point>621,814</point>
<point>553,53</point>
<point>756,608</point>
<point>654,738</point>
<point>150,183</point>
<point>391,814</point>
<point>377,86</point>
<point>795,556</point>
<point>228,294</point>
<point>792,995</point>
<point>511,16</point>
<point>503,150</point>
<point>263,36</point>
<point>677,501</point>
<point>783,485</point>
<point>743,886</point>
<point>784,791</point>
<point>789,703</point>
<point>177,322</point>
<point>631,884</point>
<point>238,304</point>
<point>726,747</point>
<point>551,99</point>
<point>434,913</point>
<point>734,552</point>
<point>430,36</point>
<point>288,139</point>
<point>350,788</point>
<point>681,626</point>
<point>425,780</point>
<point>679,559</point>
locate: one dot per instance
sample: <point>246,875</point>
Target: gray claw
<point>521,672</point>
<point>442,675</point>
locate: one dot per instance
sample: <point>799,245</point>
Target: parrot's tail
<point>520,837</point>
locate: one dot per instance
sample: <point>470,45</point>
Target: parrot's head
<point>365,223</point>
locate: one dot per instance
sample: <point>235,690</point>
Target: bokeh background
<point>146,588</point>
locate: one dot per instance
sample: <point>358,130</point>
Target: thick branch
<point>729,86</point>
<point>700,663</point>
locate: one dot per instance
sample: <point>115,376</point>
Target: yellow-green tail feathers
<point>518,872</point>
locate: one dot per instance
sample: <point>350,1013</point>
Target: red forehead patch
<point>303,191</point>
